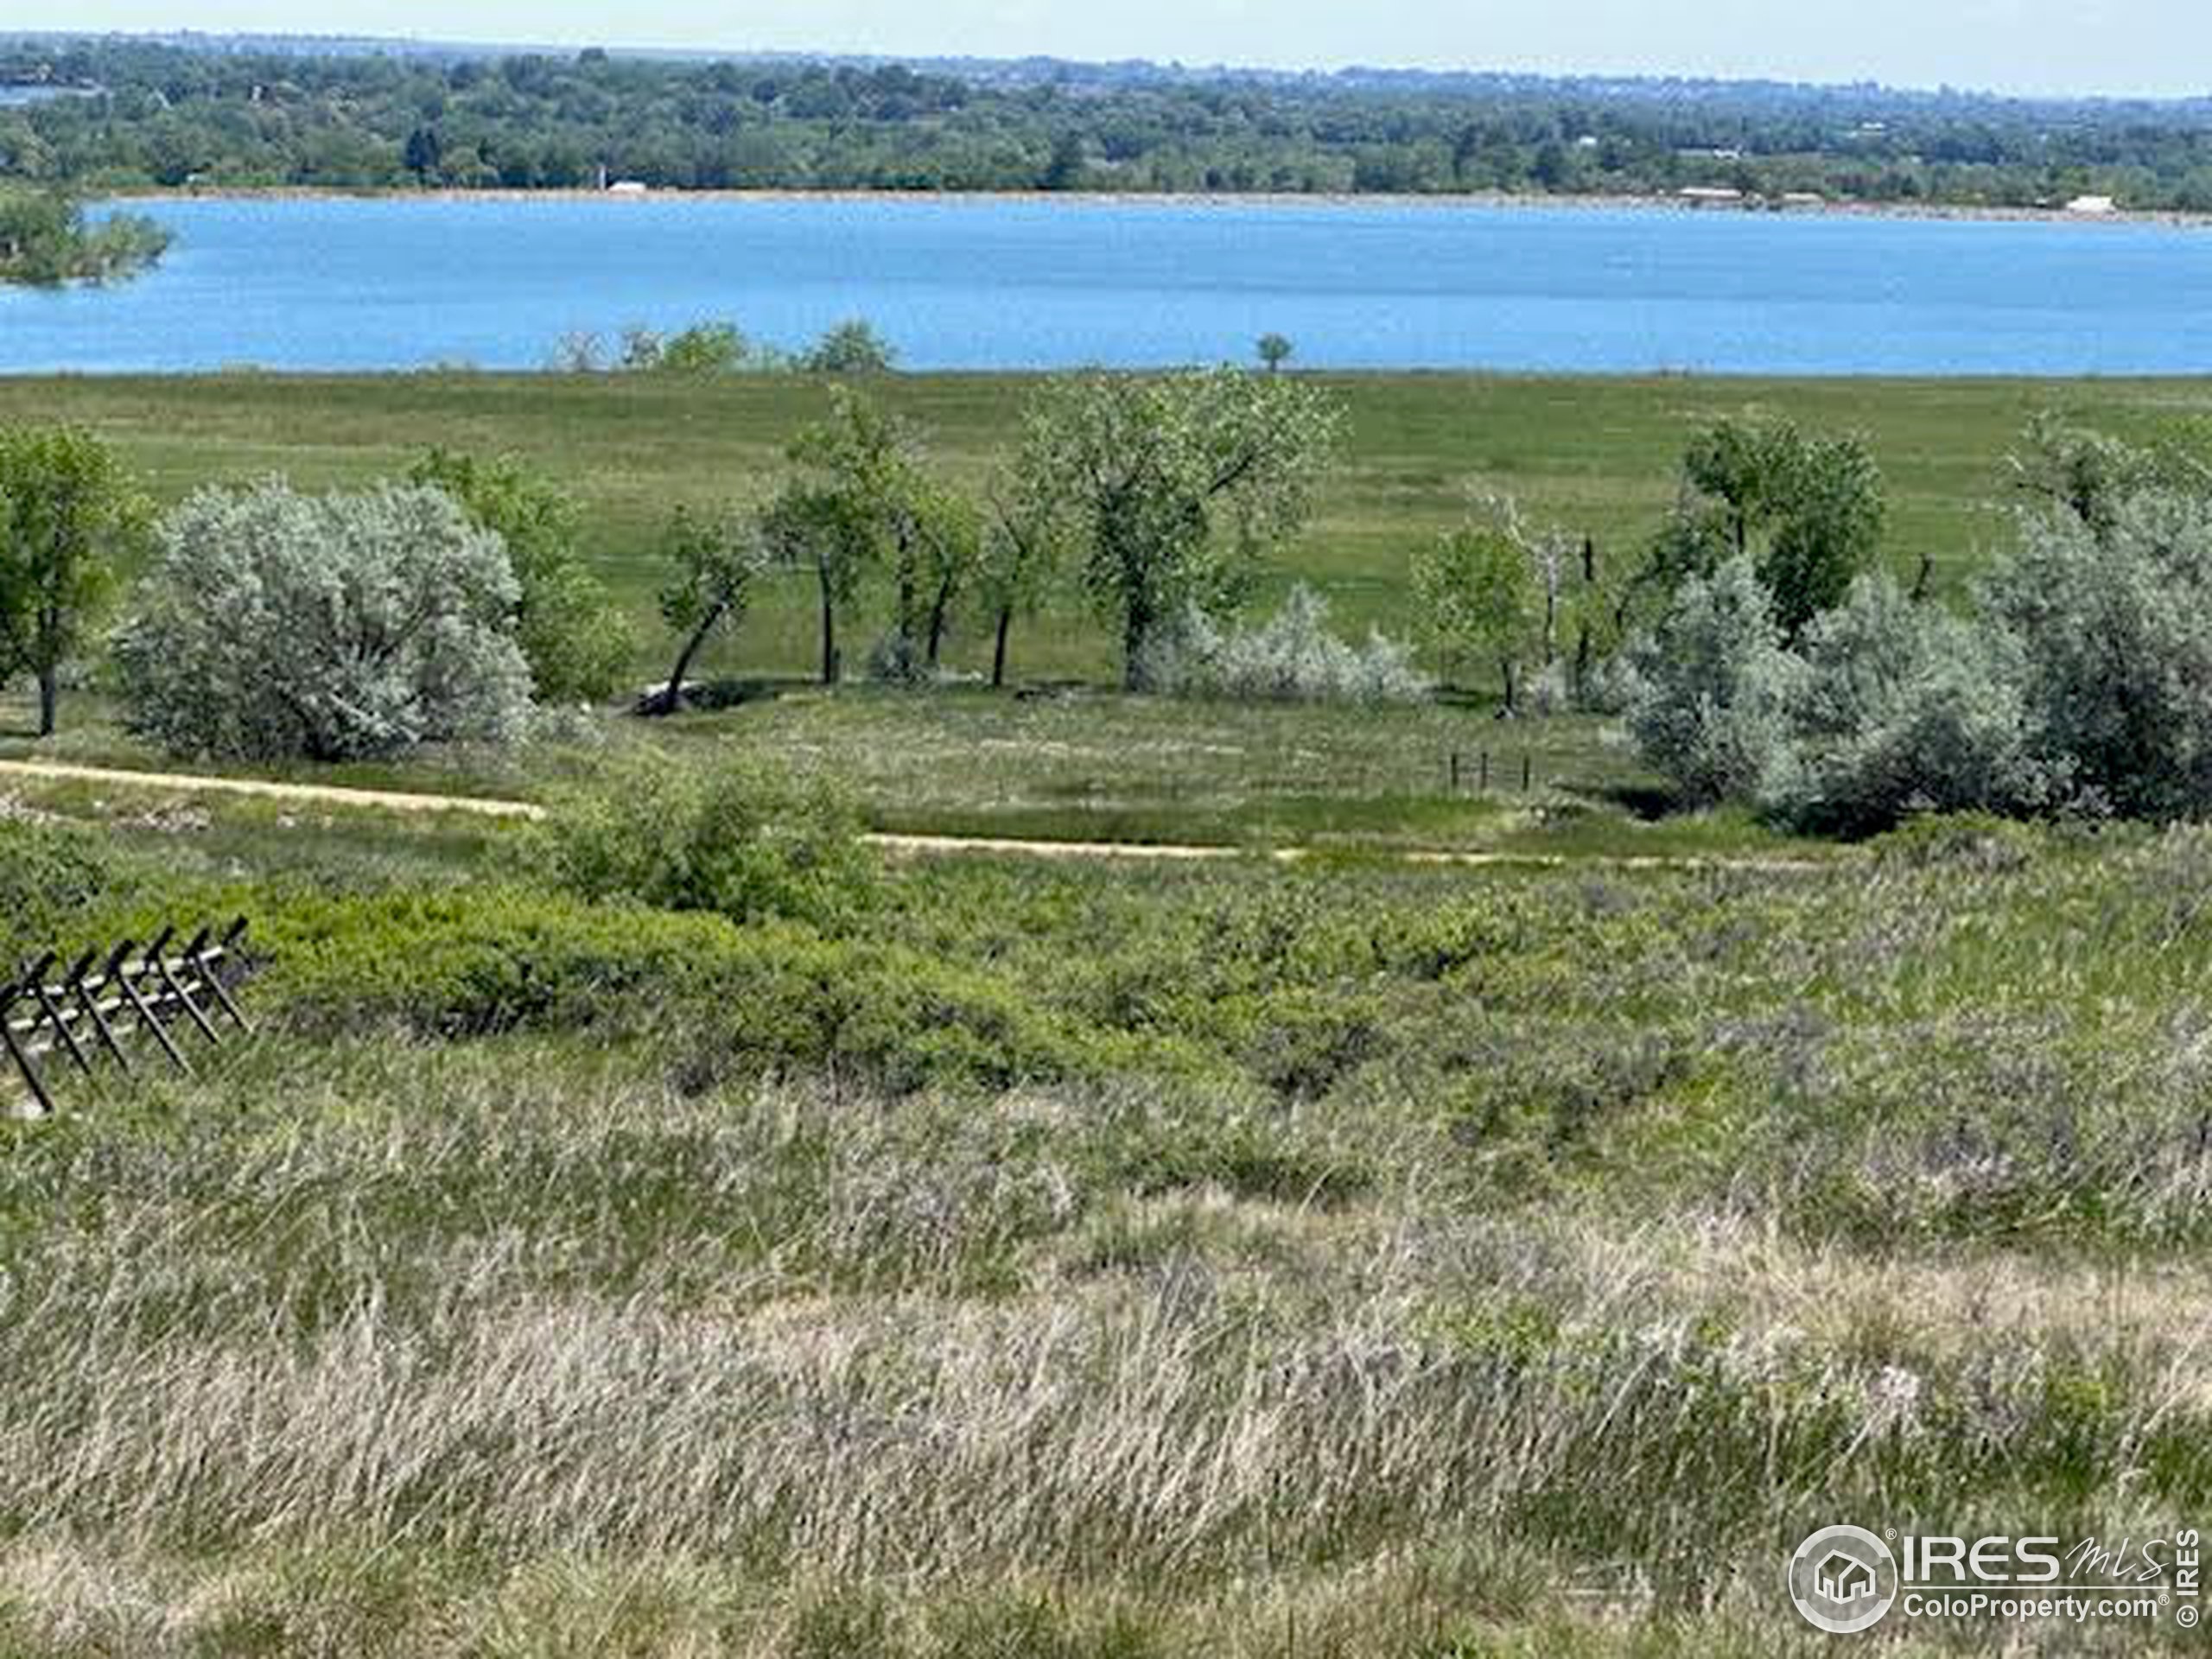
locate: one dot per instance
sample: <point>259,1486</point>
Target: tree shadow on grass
<point>1646,802</point>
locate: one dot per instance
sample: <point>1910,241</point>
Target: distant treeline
<point>168,116</point>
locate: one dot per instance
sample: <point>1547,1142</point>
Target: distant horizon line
<point>432,45</point>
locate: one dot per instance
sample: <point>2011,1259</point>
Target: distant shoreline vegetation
<point>47,240</point>
<point>1960,212</point>
<point>164,117</point>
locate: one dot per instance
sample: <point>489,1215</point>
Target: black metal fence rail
<point>86,1013</point>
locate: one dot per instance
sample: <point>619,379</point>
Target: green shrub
<point>741,839</point>
<point>1969,841</point>
<point>850,347</point>
<point>47,872</point>
<point>575,638</point>
<point>1905,709</point>
<point>1716,686</point>
<point>769,999</point>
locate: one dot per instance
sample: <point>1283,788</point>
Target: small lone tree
<point>69,514</point>
<point>852,348</point>
<point>1477,591</point>
<point>716,560</point>
<point>1275,350</point>
<point>578,644</point>
<point>1176,484</point>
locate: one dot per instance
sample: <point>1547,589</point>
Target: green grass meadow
<point>1599,456</point>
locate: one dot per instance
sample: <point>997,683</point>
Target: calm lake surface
<point>1001,284</point>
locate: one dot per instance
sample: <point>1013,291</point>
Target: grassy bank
<point>1598,455</point>
<point>1053,1259</point>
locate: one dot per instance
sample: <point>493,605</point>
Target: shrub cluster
<point>1292,658</point>
<point>772,998</point>
<point>741,839</point>
<point>852,347</point>
<point>2080,680</point>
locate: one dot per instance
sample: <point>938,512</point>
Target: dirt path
<point>909,846</point>
<point>305,794</point>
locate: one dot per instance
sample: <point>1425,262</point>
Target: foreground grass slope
<point>1041,1259</point>
<point>1597,455</point>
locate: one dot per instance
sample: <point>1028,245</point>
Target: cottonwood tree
<point>578,644</point>
<point>1027,533</point>
<point>69,514</point>
<point>1176,484</point>
<point>947,549</point>
<point>332,627</point>
<point>807,528</point>
<point>863,502</point>
<point>1579,600</point>
<point>715,559</point>
<point>1274,350</point>
<point>1807,510</point>
<point>831,516</point>
<point>1478,592</point>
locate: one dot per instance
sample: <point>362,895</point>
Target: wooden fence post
<point>31,1076</point>
<point>81,1013</point>
<point>118,972</point>
<point>211,976</point>
<point>176,987</point>
<point>34,982</point>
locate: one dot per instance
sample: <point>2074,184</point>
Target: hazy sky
<point>2090,45</point>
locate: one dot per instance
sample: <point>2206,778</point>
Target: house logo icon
<point>1843,1579</point>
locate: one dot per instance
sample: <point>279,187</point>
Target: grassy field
<point>1597,455</point>
<point>986,1257</point>
<point>1092,765</point>
<point>1048,1260</point>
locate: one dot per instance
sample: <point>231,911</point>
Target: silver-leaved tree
<point>345,627</point>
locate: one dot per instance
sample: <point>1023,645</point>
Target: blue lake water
<point>992,283</point>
